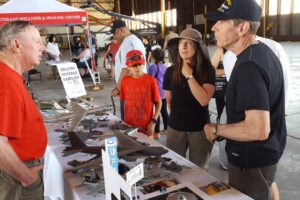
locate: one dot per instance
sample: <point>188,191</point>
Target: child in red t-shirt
<point>140,94</point>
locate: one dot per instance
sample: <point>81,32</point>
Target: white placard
<point>135,174</point>
<point>71,79</point>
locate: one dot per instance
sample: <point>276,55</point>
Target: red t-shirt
<point>20,120</point>
<point>114,47</point>
<point>139,95</point>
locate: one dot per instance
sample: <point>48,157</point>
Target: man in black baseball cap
<point>255,129</point>
<point>117,24</point>
<point>236,9</point>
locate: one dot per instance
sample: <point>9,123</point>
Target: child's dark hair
<point>158,55</point>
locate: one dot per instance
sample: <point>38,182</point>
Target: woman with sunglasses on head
<point>189,86</point>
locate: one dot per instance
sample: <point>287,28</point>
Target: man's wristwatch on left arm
<point>214,131</point>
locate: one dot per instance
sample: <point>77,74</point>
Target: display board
<point>71,79</point>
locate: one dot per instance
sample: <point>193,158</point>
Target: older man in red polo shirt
<point>23,136</point>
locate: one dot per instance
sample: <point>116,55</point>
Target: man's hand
<point>115,92</point>
<point>210,131</point>
<point>34,176</point>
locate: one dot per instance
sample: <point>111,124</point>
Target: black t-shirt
<point>186,112</point>
<point>256,83</point>
<point>148,49</point>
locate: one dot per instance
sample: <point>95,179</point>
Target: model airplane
<point>77,145</point>
<point>128,148</point>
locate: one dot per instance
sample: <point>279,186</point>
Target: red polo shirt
<point>20,120</point>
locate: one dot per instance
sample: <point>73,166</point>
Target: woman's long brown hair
<point>202,67</point>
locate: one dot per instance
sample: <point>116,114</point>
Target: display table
<point>61,185</point>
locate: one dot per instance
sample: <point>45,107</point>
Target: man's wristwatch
<point>154,120</point>
<point>214,130</point>
<point>189,77</point>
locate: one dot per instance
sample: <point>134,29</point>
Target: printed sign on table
<point>135,174</point>
<point>71,79</point>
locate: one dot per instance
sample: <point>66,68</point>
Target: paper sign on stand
<point>71,79</point>
<point>115,185</point>
<point>135,174</point>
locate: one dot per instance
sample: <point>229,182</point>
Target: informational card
<point>71,79</point>
<point>135,174</point>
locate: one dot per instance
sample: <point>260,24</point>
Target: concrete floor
<point>288,176</point>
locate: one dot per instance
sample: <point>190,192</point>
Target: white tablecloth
<point>60,185</point>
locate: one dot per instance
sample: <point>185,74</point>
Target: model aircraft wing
<point>75,141</point>
<point>125,140</point>
<point>68,152</point>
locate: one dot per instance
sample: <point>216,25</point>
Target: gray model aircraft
<point>128,149</point>
<point>77,145</point>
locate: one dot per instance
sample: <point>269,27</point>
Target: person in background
<point>53,53</point>
<point>77,45</point>
<point>85,40</point>
<point>255,129</point>
<point>171,34</point>
<point>217,62</point>
<point>189,86</point>
<point>128,42</point>
<point>157,70</point>
<point>112,49</point>
<point>23,136</point>
<point>105,59</point>
<point>170,50</point>
<point>89,38</point>
<point>85,55</point>
<point>147,45</point>
<point>140,94</point>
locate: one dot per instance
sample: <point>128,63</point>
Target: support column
<point>163,17</point>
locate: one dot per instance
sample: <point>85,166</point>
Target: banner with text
<point>50,18</point>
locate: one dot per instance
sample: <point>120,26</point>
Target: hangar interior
<point>280,22</point>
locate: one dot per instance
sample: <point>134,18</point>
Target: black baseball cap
<point>236,9</point>
<point>117,24</point>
